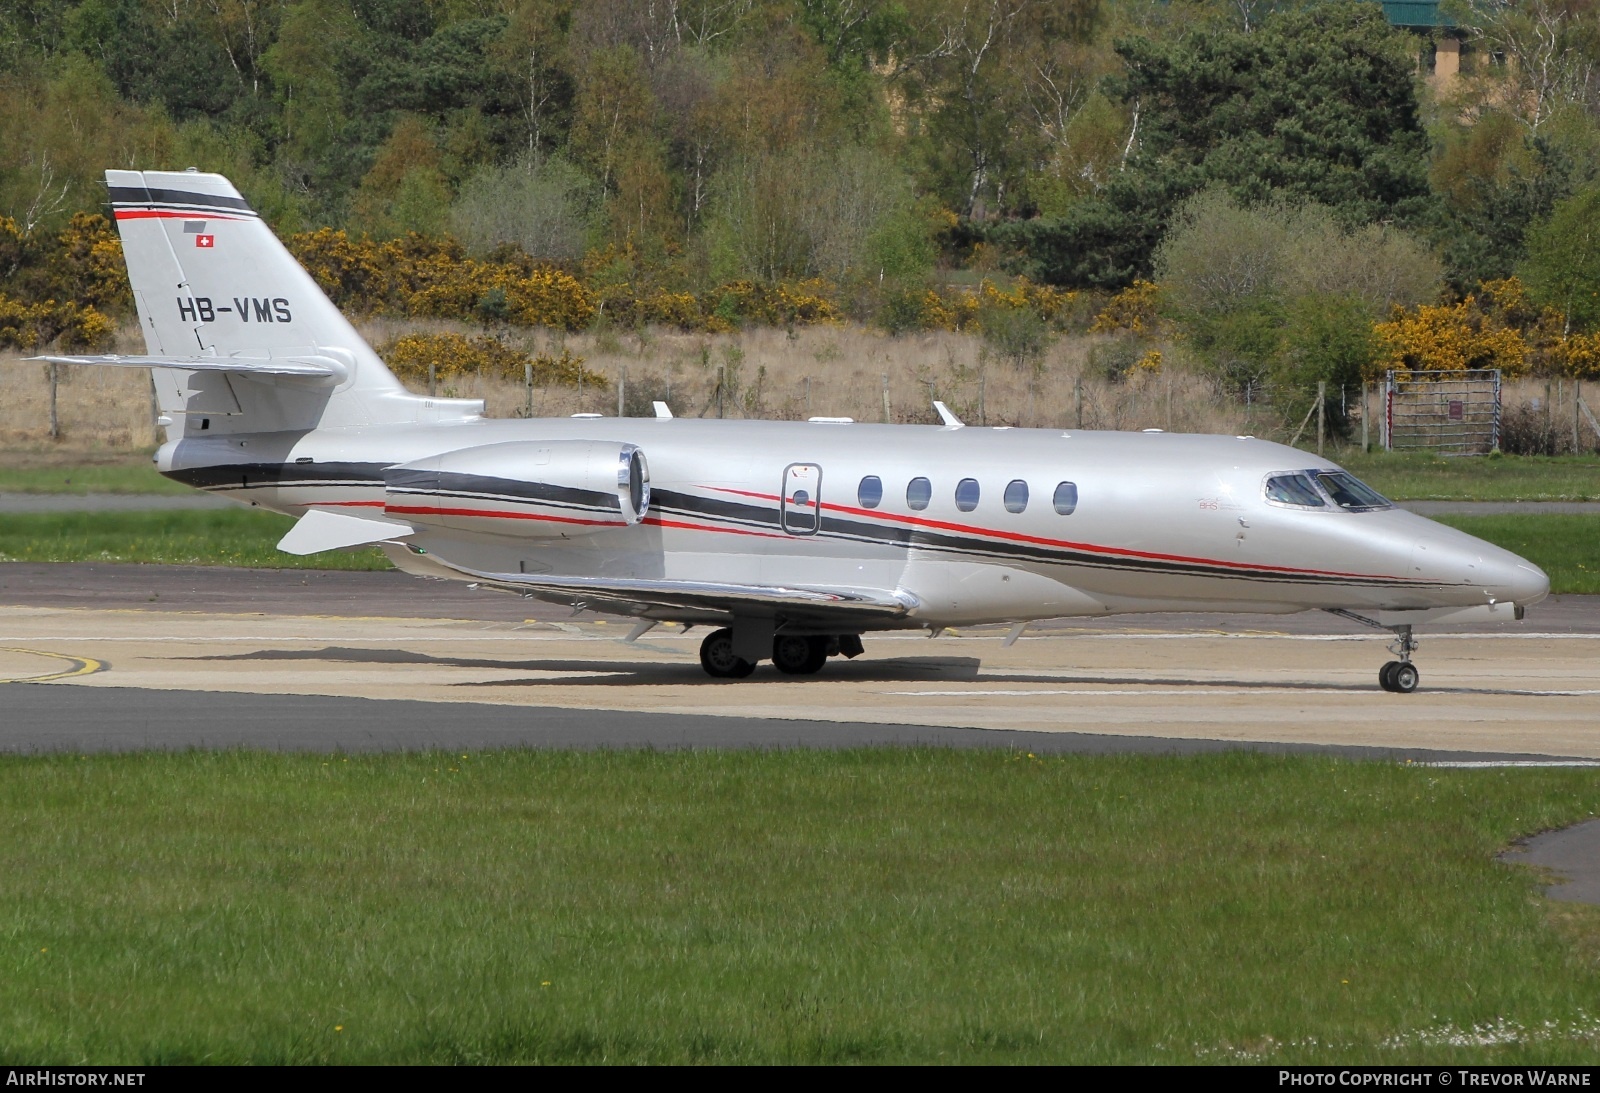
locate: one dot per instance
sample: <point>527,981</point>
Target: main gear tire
<point>718,658</point>
<point>794,655</point>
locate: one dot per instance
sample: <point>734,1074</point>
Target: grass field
<point>1566,546</point>
<point>873,906</point>
<point>231,536</point>
<point>1403,477</point>
<point>32,472</point>
<point>1414,477</point>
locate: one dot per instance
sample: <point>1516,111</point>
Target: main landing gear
<point>1399,676</point>
<point>792,654</point>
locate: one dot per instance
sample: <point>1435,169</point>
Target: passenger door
<point>801,501</point>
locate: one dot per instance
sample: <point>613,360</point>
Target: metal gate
<point>1455,412</point>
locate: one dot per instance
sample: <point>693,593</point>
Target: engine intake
<point>557,489</point>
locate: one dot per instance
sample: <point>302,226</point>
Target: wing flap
<point>640,595</point>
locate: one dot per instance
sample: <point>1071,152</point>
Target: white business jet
<point>791,539</point>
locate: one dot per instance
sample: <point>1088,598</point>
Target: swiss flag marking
<point>205,240</point>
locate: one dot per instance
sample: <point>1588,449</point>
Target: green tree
<point>1562,270</point>
<point>546,207</point>
<point>1318,103</point>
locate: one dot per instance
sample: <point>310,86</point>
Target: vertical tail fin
<point>210,279</point>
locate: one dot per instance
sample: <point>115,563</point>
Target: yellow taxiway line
<point>81,666</point>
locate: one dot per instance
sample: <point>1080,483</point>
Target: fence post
<point>808,396</point>
<point>983,391</point>
<point>886,398</point>
<point>527,384</point>
<point>1577,400</point>
<point>1077,396</point>
<point>622,388</point>
<point>1365,446</point>
<point>433,378</point>
<point>722,375</point>
<point>55,419</point>
<point>1322,406</point>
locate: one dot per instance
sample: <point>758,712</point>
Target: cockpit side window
<point>1294,489</point>
<point>1349,492</point>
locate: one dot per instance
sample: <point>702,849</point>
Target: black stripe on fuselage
<point>743,513</point>
<point>766,517</point>
<point>483,487</point>
<point>278,475</point>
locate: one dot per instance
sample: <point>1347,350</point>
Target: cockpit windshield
<point>1294,489</point>
<point>1350,493</point>
<point>1314,489</point>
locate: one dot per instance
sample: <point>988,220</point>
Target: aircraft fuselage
<point>966,520</point>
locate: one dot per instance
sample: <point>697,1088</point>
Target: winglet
<point>320,530</point>
<point>950,420</point>
<point>662,409</point>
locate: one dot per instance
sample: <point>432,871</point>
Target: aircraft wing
<point>308,365</point>
<point>667,597</point>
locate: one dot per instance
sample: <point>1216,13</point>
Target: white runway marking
<point>492,634</point>
<point>1134,689</point>
<point>1487,764</point>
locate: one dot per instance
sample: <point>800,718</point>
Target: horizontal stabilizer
<point>309,365</point>
<point>320,530</point>
<point>638,595</point>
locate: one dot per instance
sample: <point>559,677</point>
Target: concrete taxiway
<point>136,656</point>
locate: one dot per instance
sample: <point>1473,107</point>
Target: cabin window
<point>1294,489</point>
<point>967,494</point>
<point>1066,498</point>
<point>1350,493</point>
<point>1016,495</point>
<point>870,492</point>
<point>919,491</point>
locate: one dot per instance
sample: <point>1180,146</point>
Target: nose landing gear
<point>1398,676</point>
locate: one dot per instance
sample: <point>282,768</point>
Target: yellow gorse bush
<point>456,356</point>
<point>32,326</point>
<point>1133,310</point>
<point>422,277</point>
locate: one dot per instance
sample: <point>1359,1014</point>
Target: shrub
<point>454,356</point>
<point>1448,337</point>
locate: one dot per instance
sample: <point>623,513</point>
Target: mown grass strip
<point>230,537</point>
<point>1567,547</point>
<point>128,476</point>
<point>1424,477</point>
<point>1402,476</point>
<point>877,905</point>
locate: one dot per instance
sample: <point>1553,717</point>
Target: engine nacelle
<point>556,489</point>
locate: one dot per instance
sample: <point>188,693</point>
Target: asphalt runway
<point>130,657</point>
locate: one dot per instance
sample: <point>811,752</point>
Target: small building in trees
<point>1444,38</point>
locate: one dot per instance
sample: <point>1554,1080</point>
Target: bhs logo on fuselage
<point>248,308</point>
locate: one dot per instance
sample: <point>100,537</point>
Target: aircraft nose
<point>1510,579</point>
<point>1527,584</point>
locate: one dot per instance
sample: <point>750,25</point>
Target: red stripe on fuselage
<point>1020,537</point>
